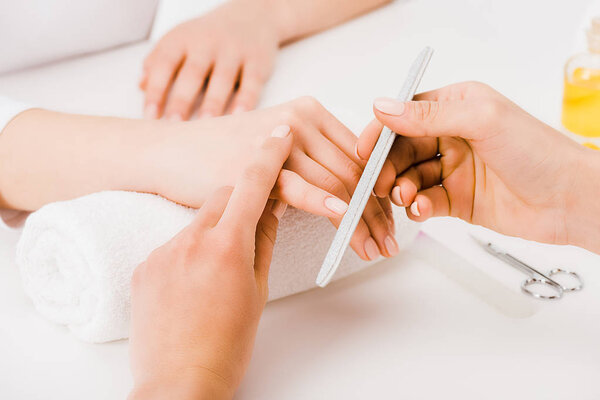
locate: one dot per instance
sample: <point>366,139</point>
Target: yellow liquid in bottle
<point>581,102</point>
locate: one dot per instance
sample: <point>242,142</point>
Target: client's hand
<point>197,300</point>
<point>195,158</point>
<point>230,50</point>
<point>467,151</point>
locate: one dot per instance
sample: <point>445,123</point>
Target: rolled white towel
<point>76,257</point>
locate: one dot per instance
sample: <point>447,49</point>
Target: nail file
<point>369,176</point>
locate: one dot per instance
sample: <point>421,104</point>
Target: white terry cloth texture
<point>76,257</point>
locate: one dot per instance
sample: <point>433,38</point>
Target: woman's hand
<point>230,50</point>
<point>468,152</point>
<point>194,158</point>
<point>197,300</point>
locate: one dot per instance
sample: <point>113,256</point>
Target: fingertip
<point>389,106</point>
<point>151,111</point>
<point>335,205</point>
<point>397,196</point>
<point>367,140</point>
<point>421,208</point>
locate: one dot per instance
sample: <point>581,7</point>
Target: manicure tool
<point>369,176</point>
<point>535,276</point>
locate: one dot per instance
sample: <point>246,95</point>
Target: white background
<point>402,329</point>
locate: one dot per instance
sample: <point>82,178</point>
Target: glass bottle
<point>581,99</point>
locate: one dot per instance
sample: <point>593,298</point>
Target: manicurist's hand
<point>197,300</point>
<point>235,42</point>
<point>320,175</point>
<point>468,152</point>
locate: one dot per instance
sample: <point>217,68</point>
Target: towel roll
<point>76,257</point>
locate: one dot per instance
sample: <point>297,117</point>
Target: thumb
<point>463,118</point>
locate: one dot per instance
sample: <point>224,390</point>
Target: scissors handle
<point>529,284</point>
<point>573,276</point>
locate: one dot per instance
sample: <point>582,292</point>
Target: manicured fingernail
<point>151,111</point>
<point>414,208</point>
<point>281,131</point>
<point>389,106</point>
<point>238,110</point>
<point>391,246</point>
<point>371,249</point>
<point>396,196</point>
<point>356,152</point>
<point>176,118</point>
<point>278,209</point>
<point>336,205</point>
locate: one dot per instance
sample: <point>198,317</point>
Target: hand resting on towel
<point>76,155</point>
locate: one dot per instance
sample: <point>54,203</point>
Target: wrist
<point>583,207</point>
<point>193,383</point>
<point>274,13</point>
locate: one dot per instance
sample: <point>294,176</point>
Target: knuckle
<point>309,103</point>
<point>426,110</point>
<point>290,117</point>
<point>333,185</point>
<point>224,247</point>
<point>256,172</point>
<point>353,172</point>
<point>476,85</point>
<point>489,110</point>
<point>195,69</point>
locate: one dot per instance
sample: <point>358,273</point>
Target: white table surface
<point>401,329</point>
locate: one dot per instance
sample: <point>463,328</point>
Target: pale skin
<point>197,300</point>
<point>223,59</point>
<point>47,156</point>
<point>497,167</point>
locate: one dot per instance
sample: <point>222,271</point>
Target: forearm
<point>48,156</point>
<point>298,18</point>
<point>583,208</point>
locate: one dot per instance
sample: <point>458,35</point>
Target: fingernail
<point>391,246</point>
<point>371,249</point>
<point>176,118</point>
<point>356,152</point>
<point>281,131</point>
<point>414,208</point>
<point>396,196</point>
<point>151,111</point>
<point>389,106</point>
<point>278,209</point>
<point>336,205</point>
<point>239,110</point>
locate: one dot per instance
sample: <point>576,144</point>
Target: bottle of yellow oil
<point>581,99</point>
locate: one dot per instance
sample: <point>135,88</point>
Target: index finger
<point>252,190</point>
